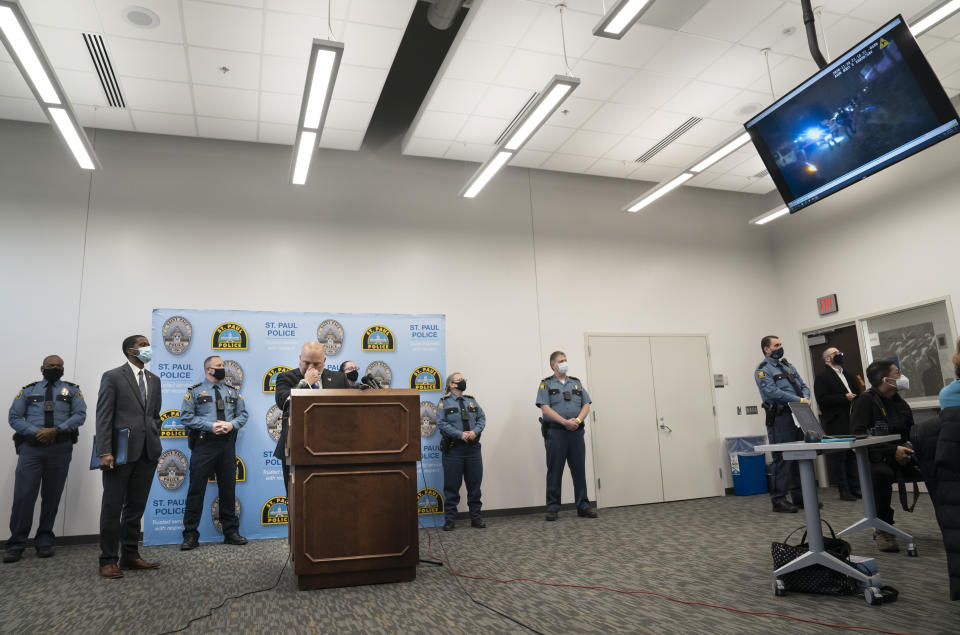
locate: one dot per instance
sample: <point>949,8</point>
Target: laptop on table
<point>808,421</point>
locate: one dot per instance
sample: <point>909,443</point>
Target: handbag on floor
<point>815,578</point>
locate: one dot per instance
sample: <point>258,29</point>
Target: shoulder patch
<point>440,404</point>
<point>31,385</point>
<point>19,395</point>
<point>194,386</point>
<point>543,386</point>
<point>761,374</point>
<point>79,393</point>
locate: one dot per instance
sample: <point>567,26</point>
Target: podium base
<point>356,578</point>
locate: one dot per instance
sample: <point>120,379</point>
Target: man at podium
<point>309,374</point>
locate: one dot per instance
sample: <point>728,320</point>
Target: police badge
<point>330,334</point>
<point>215,514</point>
<point>234,373</point>
<point>381,371</point>
<point>177,333</point>
<point>428,418</point>
<point>172,469</point>
<point>273,422</point>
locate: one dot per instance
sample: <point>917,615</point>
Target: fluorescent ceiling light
<point>935,17</point>
<point>620,18</point>
<point>317,92</point>
<point>24,51</point>
<point>550,98</point>
<point>671,185</point>
<point>325,56</point>
<point>482,176</point>
<point>302,155</point>
<point>70,135</point>
<point>722,152</point>
<point>772,215</point>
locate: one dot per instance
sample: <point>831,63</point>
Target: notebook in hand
<point>123,439</point>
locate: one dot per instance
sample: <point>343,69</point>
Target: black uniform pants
<point>786,474</point>
<point>566,446</point>
<point>125,491</point>
<point>209,457</point>
<point>41,469</point>
<point>462,461</point>
<point>883,476</point>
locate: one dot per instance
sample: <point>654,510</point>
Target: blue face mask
<point>777,354</point>
<point>144,354</point>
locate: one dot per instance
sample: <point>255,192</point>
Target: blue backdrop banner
<point>403,351</point>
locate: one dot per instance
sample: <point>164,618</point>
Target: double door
<point>653,427</point>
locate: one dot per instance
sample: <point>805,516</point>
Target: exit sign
<point>827,304</point>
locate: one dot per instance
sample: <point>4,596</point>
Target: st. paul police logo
<point>425,379</point>
<point>330,334</point>
<point>381,371</point>
<point>172,469</point>
<point>234,373</point>
<point>273,422</point>
<point>429,501</point>
<point>270,378</point>
<point>428,418</point>
<point>241,472</point>
<point>229,336</point>
<point>177,333</point>
<point>170,426</point>
<point>215,514</point>
<point>378,338</point>
<point>275,511</point>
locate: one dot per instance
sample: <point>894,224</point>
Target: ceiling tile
<point>652,173</point>
<point>678,155</point>
<point>702,179</point>
<point>164,123</point>
<point>528,158</point>
<point>279,108</point>
<point>728,182</point>
<point>80,15</point>
<point>212,128</point>
<point>948,29</point>
<point>357,83</point>
<point>750,167</point>
<point>649,89</point>
<point>475,152</point>
<point>574,112</point>
<point>502,101</point>
<point>291,35</point>
<point>951,82</point>
<point>148,60</point>
<point>502,21</point>
<point>157,96</point>
<point>483,130</point>
<point>760,186</point>
<point>426,147</point>
<point>945,59</point>
<point>568,163</point>
<point>366,45</point>
<point>281,134</point>
<point>341,139</point>
<point>339,8</point>
<point>740,67</point>
<point>223,27</point>
<point>225,103</point>
<point>439,125</point>
<point>254,4</point>
<point>633,50</point>
<point>82,88</point>
<point>744,105</point>
<point>544,34</point>
<point>710,132</point>
<point>659,124</point>
<point>591,144</point>
<point>167,29</point>
<point>285,75</point>
<point>783,30</point>
<point>349,115</point>
<point>700,98</point>
<point>103,118</point>
<point>728,163</point>
<point>686,55</point>
<point>476,61</point>
<point>787,75</point>
<point>64,48</point>
<point>392,13</point>
<point>600,81</point>
<point>205,65</point>
<point>549,138</point>
<point>630,148</point>
<point>456,95</point>
<point>21,109</point>
<point>12,83</point>
<point>617,118</point>
<point>882,11</point>
<point>729,20</point>
<point>609,167</point>
<point>846,32</point>
<point>529,69</point>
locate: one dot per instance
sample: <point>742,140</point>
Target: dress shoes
<point>477,523</point>
<point>783,507</point>
<point>847,495</point>
<point>139,564</point>
<point>189,543</point>
<point>46,551</point>
<point>234,539</point>
<point>110,571</point>
<point>857,493</point>
<point>586,513</point>
<point>551,516</point>
<point>799,505</point>
<point>12,556</point>
<point>449,525</point>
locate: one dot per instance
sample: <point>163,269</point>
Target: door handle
<point>664,426</point>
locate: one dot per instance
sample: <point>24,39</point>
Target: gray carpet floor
<point>715,551</point>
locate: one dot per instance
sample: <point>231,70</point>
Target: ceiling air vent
<point>760,174</point>
<point>670,138</point>
<point>101,61</point>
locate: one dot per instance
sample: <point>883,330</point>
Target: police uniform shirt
<point>779,382</point>
<point>27,411</point>
<point>199,408</point>
<point>554,393</point>
<point>448,415</point>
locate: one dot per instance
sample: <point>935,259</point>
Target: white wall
<point>545,256</point>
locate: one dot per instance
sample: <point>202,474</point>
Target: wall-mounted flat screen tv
<point>878,103</point>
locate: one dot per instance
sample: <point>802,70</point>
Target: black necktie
<point>221,414</point>
<point>48,407</point>
<point>464,417</point>
<point>143,389</point>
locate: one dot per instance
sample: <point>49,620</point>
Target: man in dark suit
<point>834,389</point>
<point>310,374</point>
<point>129,399</point>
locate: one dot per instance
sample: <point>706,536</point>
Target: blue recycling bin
<point>747,466</point>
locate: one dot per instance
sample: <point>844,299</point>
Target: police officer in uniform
<point>213,412</point>
<point>45,416</point>
<point>564,402</point>
<point>780,384</point>
<point>461,421</point>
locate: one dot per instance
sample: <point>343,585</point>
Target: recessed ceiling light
<point>749,109</point>
<point>141,17</point>
<point>787,32</point>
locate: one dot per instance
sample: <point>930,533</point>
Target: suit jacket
<point>832,399</point>
<point>120,405</point>
<point>288,381</point>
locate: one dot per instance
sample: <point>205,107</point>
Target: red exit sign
<point>827,304</point>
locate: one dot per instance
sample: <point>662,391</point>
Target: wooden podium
<point>353,492</point>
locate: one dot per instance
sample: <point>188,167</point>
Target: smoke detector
<point>140,17</point>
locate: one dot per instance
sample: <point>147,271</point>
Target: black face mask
<point>219,373</point>
<point>52,374</point>
<point>461,385</point>
<point>353,374</point>
<point>838,359</point>
<point>777,354</point>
